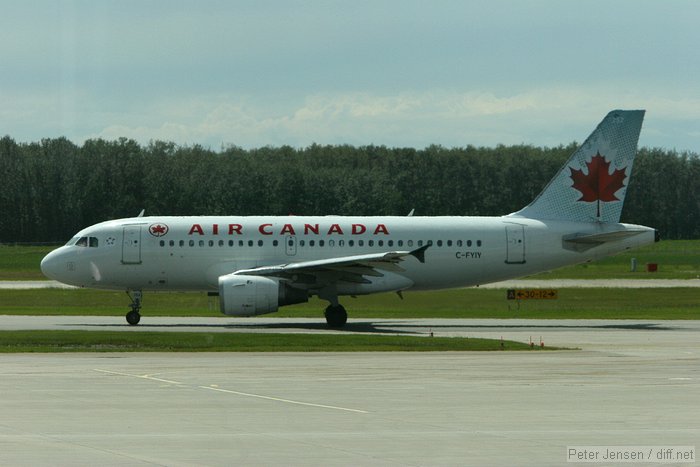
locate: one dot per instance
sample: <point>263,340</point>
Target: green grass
<point>21,263</point>
<point>106,341</point>
<point>676,259</point>
<point>574,303</point>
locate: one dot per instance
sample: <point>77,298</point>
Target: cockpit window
<point>91,242</point>
<point>72,241</point>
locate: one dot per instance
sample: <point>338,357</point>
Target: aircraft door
<point>515,244</point>
<point>291,245</point>
<point>131,245</point>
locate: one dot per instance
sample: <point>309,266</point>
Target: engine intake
<point>241,295</point>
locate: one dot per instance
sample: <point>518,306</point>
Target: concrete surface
<point>633,383</point>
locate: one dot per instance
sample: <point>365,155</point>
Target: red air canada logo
<point>598,184</point>
<point>158,230</point>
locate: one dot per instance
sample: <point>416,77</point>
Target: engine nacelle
<point>241,295</point>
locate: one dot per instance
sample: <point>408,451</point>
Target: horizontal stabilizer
<point>583,242</point>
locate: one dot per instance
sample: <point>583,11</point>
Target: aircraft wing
<point>346,269</point>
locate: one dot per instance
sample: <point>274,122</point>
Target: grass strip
<point>574,303</point>
<point>115,341</point>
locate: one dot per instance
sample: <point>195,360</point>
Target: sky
<point>398,73</point>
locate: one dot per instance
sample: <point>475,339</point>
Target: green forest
<point>52,188</point>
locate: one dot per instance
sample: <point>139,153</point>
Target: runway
<point>632,383</point>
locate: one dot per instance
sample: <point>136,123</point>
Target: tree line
<point>52,188</point>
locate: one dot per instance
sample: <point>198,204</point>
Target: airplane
<point>256,264</point>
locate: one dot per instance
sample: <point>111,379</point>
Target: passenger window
<point>360,243</point>
<point>250,242</point>
<point>469,243</point>
<point>459,242</point>
<point>439,243</point>
<point>321,243</point>
<point>331,243</point>
<point>410,243</point>
<point>371,243</point>
<point>172,242</point>
<point>312,243</point>
<point>182,243</point>
<point>260,243</point>
<point>221,243</point>
<point>341,242</point>
<point>230,243</point>
<point>191,242</point>
<point>400,242</point>
<point>275,243</point>
<point>240,243</point>
<point>301,242</point>
<point>162,243</point>
<point>478,243</point>
<point>390,243</point>
<point>201,243</point>
<point>351,242</point>
<point>420,242</point>
<point>211,242</point>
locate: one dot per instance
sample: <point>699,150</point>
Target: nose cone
<point>50,265</point>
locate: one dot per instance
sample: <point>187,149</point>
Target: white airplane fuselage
<point>257,264</point>
<point>193,252</point>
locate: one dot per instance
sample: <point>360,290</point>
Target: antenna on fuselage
<point>143,211</point>
<point>410,214</point>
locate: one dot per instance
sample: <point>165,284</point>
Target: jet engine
<point>241,295</point>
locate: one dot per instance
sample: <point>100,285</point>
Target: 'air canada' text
<point>290,229</point>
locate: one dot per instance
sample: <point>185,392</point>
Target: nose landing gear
<point>133,317</point>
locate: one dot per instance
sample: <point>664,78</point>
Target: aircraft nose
<point>50,265</point>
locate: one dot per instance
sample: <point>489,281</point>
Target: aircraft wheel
<point>336,316</point>
<point>133,317</point>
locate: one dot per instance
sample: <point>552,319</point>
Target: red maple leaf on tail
<point>599,184</point>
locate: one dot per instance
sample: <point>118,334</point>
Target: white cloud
<point>538,116</point>
<point>541,117</point>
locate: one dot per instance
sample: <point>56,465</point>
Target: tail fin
<point>591,186</point>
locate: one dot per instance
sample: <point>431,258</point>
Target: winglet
<point>419,253</point>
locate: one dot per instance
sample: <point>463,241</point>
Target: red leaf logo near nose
<point>158,230</point>
<point>598,184</point>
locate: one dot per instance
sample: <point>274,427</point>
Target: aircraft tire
<point>133,317</point>
<point>336,316</point>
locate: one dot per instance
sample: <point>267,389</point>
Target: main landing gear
<point>133,317</point>
<point>336,316</point>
